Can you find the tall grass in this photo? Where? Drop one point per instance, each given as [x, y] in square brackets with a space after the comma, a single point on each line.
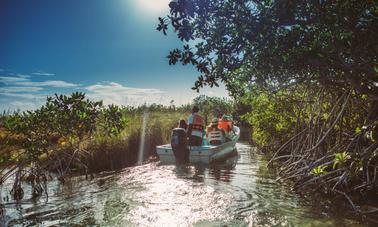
[110, 153]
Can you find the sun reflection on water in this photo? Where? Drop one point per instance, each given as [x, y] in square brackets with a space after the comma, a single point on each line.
[167, 199]
[243, 192]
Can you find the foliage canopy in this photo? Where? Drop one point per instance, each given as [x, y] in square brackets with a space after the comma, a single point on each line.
[210, 107]
[271, 42]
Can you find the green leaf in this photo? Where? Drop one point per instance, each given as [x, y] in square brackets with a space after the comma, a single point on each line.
[319, 170]
[341, 158]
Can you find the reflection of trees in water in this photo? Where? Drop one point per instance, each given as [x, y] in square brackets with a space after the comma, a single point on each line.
[276, 204]
[113, 208]
[265, 202]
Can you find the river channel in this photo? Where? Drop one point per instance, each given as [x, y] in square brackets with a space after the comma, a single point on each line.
[240, 192]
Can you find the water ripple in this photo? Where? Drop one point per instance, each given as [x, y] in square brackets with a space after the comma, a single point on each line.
[240, 192]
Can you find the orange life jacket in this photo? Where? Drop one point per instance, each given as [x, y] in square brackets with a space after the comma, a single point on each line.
[197, 124]
[226, 125]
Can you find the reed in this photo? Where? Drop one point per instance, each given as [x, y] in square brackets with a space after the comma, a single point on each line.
[112, 153]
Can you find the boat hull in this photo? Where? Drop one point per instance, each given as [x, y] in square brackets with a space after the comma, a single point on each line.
[202, 154]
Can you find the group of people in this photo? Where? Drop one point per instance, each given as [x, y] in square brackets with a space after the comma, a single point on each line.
[216, 132]
[192, 134]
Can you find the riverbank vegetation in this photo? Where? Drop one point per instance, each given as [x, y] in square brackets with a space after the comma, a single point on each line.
[71, 134]
[305, 74]
[74, 135]
[322, 139]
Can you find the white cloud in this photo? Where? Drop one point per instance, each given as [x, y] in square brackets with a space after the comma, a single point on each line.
[12, 79]
[47, 83]
[25, 76]
[118, 88]
[41, 73]
[21, 105]
[22, 95]
[115, 93]
[25, 80]
[19, 89]
[22, 75]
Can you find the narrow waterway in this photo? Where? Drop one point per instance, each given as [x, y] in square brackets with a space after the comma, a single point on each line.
[240, 192]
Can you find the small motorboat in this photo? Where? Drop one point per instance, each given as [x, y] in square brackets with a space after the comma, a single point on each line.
[205, 153]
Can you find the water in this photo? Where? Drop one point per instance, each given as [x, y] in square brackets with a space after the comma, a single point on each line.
[240, 192]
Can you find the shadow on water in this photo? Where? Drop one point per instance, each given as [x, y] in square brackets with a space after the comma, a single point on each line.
[239, 192]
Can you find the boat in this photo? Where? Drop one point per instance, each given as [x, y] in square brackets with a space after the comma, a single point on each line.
[205, 153]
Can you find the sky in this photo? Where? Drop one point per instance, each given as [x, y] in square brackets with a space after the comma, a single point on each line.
[108, 49]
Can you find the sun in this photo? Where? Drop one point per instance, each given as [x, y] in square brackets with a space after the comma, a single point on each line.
[153, 6]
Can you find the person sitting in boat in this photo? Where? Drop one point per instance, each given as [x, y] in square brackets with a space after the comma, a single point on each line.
[219, 116]
[226, 123]
[195, 128]
[179, 143]
[215, 135]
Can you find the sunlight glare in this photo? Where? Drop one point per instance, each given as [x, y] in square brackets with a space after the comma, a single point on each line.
[153, 6]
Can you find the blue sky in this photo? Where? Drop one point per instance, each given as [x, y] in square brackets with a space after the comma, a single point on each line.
[108, 49]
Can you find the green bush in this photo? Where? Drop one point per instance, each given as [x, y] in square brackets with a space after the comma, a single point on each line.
[272, 116]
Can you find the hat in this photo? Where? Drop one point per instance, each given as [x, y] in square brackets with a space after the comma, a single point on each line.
[214, 122]
[227, 117]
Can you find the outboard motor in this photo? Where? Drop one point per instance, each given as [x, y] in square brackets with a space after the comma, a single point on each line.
[179, 145]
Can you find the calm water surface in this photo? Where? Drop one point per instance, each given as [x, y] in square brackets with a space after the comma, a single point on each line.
[241, 192]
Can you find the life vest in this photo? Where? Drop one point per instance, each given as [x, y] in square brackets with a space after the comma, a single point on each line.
[197, 124]
[215, 137]
[226, 125]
